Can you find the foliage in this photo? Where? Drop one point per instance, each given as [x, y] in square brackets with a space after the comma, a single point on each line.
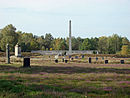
[48, 41]
[86, 45]
[8, 36]
[114, 44]
[28, 41]
[125, 41]
[63, 45]
[57, 43]
[125, 50]
[102, 45]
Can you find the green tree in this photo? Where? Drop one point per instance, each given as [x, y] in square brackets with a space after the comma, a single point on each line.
[94, 43]
[56, 44]
[86, 45]
[114, 44]
[0, 37]
[63, 45]
[76, 42]
[48, 41]
[34, 45]
[43, 48]
[125, 41]
[25, 41]
[40, 40]
[102, 44]
[79, 42]
[8, 35]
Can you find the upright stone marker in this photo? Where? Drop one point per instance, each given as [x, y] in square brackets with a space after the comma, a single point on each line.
[66, 61]
[96, 58]
[89, 60]
[70, 47]
[26, 62]
[69, 57]
[56, 59]
[122, 61]
[106, 61]
[17, 50]
[7, 54]
[63, 59]
[76, 57]
[82, 56]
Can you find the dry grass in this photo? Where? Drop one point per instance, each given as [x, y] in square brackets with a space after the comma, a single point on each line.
[46, 79]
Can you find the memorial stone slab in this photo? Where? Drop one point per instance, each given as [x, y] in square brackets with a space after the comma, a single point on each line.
[89, 60]
[63, 59]
[106, 61]
[26, 62]
[56, 61]
[76, 57]
[96, 58]
[122, 61]
[66, 61]
[69, 57]
[82, 56]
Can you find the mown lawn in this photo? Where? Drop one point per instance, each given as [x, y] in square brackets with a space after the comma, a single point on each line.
[72, 80]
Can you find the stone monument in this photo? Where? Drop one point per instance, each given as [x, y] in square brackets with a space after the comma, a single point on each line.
[70, 46]
[17, 50]
[7, 54]
[56, 59]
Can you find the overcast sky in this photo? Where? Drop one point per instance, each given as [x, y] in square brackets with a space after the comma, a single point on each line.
[90, 18]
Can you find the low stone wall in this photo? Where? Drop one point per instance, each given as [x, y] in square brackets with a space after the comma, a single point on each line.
[63, 51]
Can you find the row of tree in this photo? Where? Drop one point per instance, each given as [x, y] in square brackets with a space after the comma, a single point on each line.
[28, 42]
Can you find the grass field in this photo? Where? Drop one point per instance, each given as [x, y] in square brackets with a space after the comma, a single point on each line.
[45, 79]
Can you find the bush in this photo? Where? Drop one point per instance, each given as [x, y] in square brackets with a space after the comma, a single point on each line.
[125, 50]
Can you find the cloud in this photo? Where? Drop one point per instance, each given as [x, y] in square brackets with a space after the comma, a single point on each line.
[38, 4]
[45, 5]
[52, 5]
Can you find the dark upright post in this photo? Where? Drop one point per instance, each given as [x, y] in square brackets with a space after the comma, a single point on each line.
[66, 61]
[76, 57]
[96, 58]
[63, 59]
[82, 56]
[7, 54]
[26, 62]
[122, 61]
[56, 60]
[69, 57]
[106, 61]
[89, 60]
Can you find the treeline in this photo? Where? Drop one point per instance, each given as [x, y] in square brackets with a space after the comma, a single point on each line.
[105, 45]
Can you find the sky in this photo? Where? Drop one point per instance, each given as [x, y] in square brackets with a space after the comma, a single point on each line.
[90, 18]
